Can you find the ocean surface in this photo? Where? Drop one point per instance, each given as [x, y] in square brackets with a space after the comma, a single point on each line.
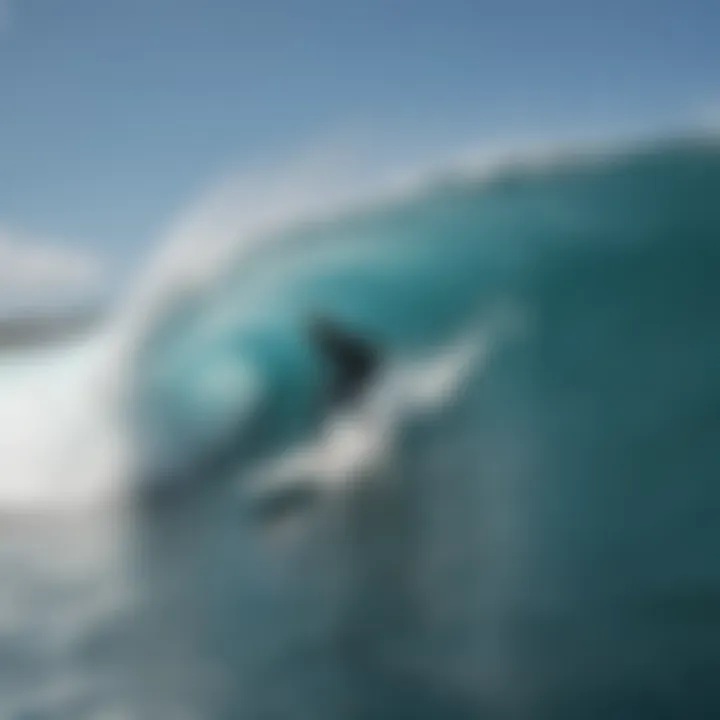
[518, 517]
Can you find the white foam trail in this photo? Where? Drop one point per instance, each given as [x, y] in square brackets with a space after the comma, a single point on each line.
[358, 443]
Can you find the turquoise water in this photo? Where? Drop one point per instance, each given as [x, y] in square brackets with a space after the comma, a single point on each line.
[541, 543]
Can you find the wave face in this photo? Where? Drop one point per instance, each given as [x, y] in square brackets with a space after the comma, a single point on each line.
[407, 274]
[543, 544]
[516, 518]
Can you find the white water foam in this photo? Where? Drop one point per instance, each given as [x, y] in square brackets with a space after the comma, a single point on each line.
[359, 443]
[57, 446]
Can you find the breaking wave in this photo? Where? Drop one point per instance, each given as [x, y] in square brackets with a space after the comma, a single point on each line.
[506, 521]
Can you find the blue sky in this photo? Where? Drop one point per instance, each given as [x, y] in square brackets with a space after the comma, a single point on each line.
[113, 113]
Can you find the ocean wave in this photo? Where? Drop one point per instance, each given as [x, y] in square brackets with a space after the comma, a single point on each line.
[406, 258]
[407, 271]
[513, 490]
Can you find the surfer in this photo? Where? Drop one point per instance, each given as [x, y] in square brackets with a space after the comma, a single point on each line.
[354, 360]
